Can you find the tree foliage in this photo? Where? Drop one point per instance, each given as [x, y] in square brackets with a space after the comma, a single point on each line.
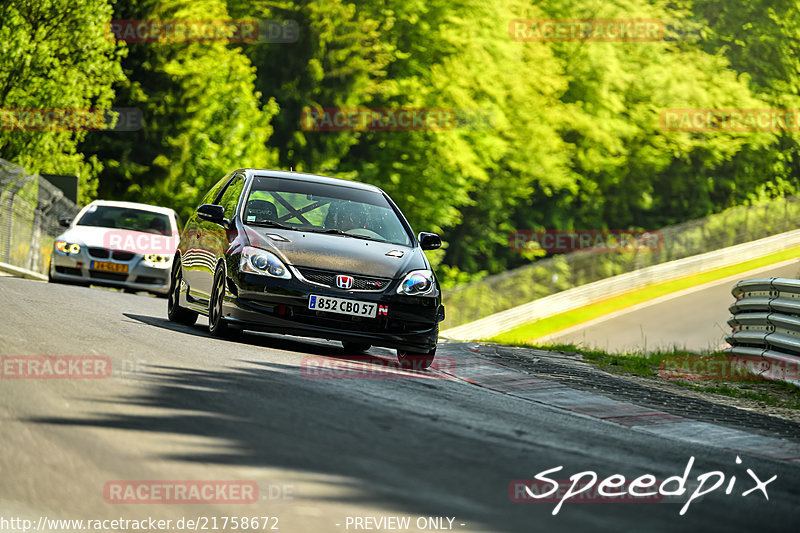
[550, 134]
[54, 55]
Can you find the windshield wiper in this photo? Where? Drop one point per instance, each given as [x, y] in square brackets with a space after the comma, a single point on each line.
[333, 231]
[272, 224]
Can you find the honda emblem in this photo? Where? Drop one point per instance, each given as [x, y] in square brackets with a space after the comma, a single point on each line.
[344, 282]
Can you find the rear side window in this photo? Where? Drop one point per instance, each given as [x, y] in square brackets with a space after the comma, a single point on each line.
[230, 198]
[214, 192]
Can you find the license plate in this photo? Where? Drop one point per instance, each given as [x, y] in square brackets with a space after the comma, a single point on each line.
[108, 266]
[342, 306]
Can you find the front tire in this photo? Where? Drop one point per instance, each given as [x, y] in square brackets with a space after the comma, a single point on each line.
[175, 312]
[217, 325]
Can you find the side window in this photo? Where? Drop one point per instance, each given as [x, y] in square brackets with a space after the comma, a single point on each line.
[215, 190]
[230, 198]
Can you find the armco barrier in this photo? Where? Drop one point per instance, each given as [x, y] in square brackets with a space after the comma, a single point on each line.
[570, 299]
[766, 323]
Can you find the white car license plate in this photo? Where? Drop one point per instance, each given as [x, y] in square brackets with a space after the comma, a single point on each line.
[342, 306]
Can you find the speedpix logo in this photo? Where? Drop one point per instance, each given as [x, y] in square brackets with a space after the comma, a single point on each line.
[645, 488]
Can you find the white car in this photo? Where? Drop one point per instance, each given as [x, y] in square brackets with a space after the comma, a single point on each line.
[117, 244]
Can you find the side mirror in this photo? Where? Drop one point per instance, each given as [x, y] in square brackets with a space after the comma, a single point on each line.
[429, 241]
[212, 213]
[64, 222]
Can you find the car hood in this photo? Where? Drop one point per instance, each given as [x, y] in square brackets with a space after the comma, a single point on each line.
[338, 253]
[141, 242]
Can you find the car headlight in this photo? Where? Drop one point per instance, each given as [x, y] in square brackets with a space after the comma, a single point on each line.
[256, 261]
[68, 248]
[416, 283]
[157, 260]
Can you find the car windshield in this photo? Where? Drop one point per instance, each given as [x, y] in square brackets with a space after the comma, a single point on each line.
[106, 216]
[319, 207]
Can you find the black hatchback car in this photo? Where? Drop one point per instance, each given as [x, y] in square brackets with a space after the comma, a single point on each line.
[312, 256]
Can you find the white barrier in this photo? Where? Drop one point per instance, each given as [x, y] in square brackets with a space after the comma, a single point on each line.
[568, 300]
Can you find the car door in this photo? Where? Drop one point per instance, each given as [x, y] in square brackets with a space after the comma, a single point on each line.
[195, 260]
[213, 241]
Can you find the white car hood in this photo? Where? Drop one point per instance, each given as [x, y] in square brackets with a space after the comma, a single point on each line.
[140, 242]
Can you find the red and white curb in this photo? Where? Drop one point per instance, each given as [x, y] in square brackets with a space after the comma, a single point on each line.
[480, 371]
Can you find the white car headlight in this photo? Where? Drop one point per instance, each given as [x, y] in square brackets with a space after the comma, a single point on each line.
[157, 260]
[68, 248]
[257, 261]
[416, 283]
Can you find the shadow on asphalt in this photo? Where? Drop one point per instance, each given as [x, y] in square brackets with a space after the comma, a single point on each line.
[281, 342]
[411, 445]
[400, 457]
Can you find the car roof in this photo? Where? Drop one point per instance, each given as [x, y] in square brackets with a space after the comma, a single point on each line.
[134, 205]
[316, 178]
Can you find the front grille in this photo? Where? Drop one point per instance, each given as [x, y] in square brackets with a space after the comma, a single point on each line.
[99, 253]
[110, 276]
[103, 253]
[122, 256]
[68, 270]
[328, 278]
[150, 280]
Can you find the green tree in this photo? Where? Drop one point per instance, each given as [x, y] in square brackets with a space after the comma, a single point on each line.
[338, 60]
[201, 114]
[55, 54]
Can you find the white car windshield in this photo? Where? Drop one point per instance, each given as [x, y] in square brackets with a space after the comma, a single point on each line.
[106, 216]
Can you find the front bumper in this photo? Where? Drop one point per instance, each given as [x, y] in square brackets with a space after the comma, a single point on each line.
[77, 268]
[281, 306]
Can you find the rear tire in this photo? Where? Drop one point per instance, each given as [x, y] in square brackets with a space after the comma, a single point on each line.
[355, 347]
[415, 361]
[175, 312]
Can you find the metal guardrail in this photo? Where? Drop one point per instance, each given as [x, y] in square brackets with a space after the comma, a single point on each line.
[30, 207]
[766, 324]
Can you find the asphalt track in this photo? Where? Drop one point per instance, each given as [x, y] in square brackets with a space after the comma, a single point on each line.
[694, 319]
[181, 405]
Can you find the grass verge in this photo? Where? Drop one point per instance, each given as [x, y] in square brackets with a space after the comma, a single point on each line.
[653, 366]
[536, 330]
